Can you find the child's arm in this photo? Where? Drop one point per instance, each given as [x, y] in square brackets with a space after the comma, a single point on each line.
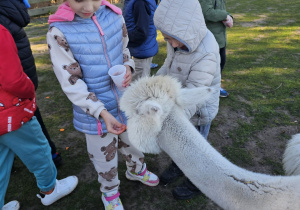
[127, 61]
[210, 13]
[12, 77]
[203, 71]
[126, 54]
[201, 74]
[69, 75]
[164, 69]
[112, 124]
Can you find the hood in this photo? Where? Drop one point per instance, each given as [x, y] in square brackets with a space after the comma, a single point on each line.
[65, 13]
[15, 11]
[182, 20]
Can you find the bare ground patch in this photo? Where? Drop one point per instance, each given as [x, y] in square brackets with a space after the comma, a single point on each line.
[256, 22]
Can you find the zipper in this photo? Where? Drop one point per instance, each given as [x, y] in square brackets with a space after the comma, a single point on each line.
[94, 18]
[101, 35]
[99, 128]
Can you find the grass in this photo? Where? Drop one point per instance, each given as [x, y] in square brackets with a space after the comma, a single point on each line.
[262, 75]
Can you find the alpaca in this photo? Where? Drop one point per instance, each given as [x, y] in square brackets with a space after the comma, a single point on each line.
[291, 157]
[157, 121]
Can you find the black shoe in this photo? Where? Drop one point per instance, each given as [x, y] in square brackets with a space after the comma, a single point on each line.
[186, 190]
[57, 160]
[170, 174]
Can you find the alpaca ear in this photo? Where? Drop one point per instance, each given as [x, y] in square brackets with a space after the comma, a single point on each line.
[192, 96]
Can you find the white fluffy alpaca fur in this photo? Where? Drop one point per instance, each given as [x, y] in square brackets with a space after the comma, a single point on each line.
[157, 121]
[150, 103]
[291, 156]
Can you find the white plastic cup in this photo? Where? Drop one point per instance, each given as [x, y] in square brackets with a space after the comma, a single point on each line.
[117, 74]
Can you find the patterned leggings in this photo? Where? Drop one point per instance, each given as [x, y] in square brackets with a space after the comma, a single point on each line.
[102, 151]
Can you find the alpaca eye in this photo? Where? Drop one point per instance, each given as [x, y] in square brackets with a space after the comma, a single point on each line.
[154, 109]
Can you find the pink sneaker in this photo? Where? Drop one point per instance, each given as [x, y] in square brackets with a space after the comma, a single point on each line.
[112, 201]
[145, 176]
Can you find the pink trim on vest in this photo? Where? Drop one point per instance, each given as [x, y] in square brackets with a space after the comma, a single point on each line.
[112, 7]
[65, 13]
[98, 25]
[99, 128]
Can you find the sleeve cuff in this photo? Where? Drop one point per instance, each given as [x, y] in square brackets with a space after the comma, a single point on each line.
[98, 111]
[131, 64]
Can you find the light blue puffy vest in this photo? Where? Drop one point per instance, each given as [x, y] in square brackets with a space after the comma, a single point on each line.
[150, 47]
[89, 50]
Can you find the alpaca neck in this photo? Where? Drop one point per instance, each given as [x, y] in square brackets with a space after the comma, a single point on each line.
[230, 186]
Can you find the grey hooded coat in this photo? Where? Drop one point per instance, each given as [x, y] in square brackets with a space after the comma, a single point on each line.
[197, 66]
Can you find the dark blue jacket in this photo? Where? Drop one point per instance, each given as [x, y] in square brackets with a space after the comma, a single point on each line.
[138, 15]
[14, 16]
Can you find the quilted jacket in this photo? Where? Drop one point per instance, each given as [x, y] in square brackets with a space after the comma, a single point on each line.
[14, 17]
[197, 66]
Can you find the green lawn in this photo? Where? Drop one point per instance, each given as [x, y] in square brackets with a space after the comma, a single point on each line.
[262, 75]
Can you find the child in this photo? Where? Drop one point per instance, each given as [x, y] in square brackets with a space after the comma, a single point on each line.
[14, 17]
[193, 58]
[20, 132]
[85, 39]
[217, 19]
[138, 15]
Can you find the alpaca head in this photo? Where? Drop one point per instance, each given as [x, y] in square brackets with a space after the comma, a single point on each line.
[147, 103]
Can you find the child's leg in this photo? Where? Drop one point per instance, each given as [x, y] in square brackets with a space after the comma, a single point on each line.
[32, 147]
[204, 129]
[38, 116]
[134, 158]
[102, 152]
[142, 68]
[6, 162]
[223, 57]
[136, 168]
[56, 157]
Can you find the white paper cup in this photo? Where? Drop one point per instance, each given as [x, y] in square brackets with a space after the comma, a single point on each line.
[117, 74]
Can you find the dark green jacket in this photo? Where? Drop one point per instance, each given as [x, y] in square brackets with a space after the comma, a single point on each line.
[214, 12]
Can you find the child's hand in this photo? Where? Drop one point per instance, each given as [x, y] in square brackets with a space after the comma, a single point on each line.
[127, 77]
[228, 22]
[112, 124]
